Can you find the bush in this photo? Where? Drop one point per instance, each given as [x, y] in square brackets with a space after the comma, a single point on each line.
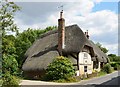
[113, 64]
[117, 67]
[60, 68]
[9, 80]
[107, 68]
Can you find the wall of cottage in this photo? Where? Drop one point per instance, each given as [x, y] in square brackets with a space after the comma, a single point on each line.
[85, 63]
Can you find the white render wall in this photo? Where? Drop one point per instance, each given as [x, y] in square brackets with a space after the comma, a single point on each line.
[85, 62]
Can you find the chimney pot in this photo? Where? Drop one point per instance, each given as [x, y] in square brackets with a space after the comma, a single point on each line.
[86, 34]
[61, 14]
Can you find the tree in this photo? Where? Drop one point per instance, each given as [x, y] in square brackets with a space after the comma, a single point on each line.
[105, 50]
[8, 46]
[114, 58]
[7, 11]
[111, 55]
[9, 63]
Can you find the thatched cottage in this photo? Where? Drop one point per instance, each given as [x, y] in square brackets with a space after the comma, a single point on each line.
[69, 41]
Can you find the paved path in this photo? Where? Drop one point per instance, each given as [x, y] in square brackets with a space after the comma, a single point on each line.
[109, 79]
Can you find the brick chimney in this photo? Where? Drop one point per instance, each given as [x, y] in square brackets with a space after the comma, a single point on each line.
[86, 34]
[61, 33]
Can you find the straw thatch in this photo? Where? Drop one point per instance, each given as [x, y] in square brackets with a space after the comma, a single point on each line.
[41, 53]
[43, 50]
[102, 57]
[74, 39]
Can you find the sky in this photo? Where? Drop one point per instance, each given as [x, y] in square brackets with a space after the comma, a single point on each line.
[99, 17]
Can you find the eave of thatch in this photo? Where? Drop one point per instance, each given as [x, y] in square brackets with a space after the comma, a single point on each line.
[40, 62]
[101, 57]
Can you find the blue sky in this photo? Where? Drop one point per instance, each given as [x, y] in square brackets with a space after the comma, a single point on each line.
[113, 6]
[99, 18]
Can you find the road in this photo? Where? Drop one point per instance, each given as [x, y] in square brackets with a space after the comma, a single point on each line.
[109, 79]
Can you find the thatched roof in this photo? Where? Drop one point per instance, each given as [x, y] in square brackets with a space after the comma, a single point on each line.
[43, 50]
[102, 57]
[39, 62]
[74, 39]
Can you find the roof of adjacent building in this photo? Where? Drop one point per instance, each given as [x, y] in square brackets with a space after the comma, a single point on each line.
[44, 50]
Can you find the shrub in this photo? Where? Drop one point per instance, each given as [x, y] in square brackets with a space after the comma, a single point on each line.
[107, 68]
[117, 67]
[60, 68]
[9, 80]
[113, 64]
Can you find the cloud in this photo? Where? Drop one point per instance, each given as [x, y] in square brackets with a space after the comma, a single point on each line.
[76, 8]
[102, 25]
[114, 47]
[35, 12]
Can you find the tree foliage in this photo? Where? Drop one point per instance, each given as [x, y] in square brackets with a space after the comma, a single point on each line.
[105, 50]
[114, 58]
[9, 63]
[60, 68]
[14, 47]
[7, 11]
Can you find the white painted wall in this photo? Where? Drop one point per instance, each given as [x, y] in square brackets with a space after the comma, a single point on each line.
[85, 61]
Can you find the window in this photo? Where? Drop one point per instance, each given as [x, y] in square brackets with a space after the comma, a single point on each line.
[85, 56]
[85, 68]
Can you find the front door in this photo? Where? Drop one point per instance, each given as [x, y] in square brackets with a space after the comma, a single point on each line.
[85, 69]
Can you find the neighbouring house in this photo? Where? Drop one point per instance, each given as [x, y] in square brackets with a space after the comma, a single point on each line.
[69, 41]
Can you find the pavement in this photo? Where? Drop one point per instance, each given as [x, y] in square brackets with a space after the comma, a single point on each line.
[109, 79]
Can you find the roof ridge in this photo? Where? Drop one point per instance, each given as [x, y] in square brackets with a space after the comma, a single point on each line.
[48, 33]
[54, 31]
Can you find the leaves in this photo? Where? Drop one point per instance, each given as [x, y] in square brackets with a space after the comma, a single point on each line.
[60, 68]
[105, 50]
[107, 68]
[7, 11]
[10, 64]
[114, 58]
